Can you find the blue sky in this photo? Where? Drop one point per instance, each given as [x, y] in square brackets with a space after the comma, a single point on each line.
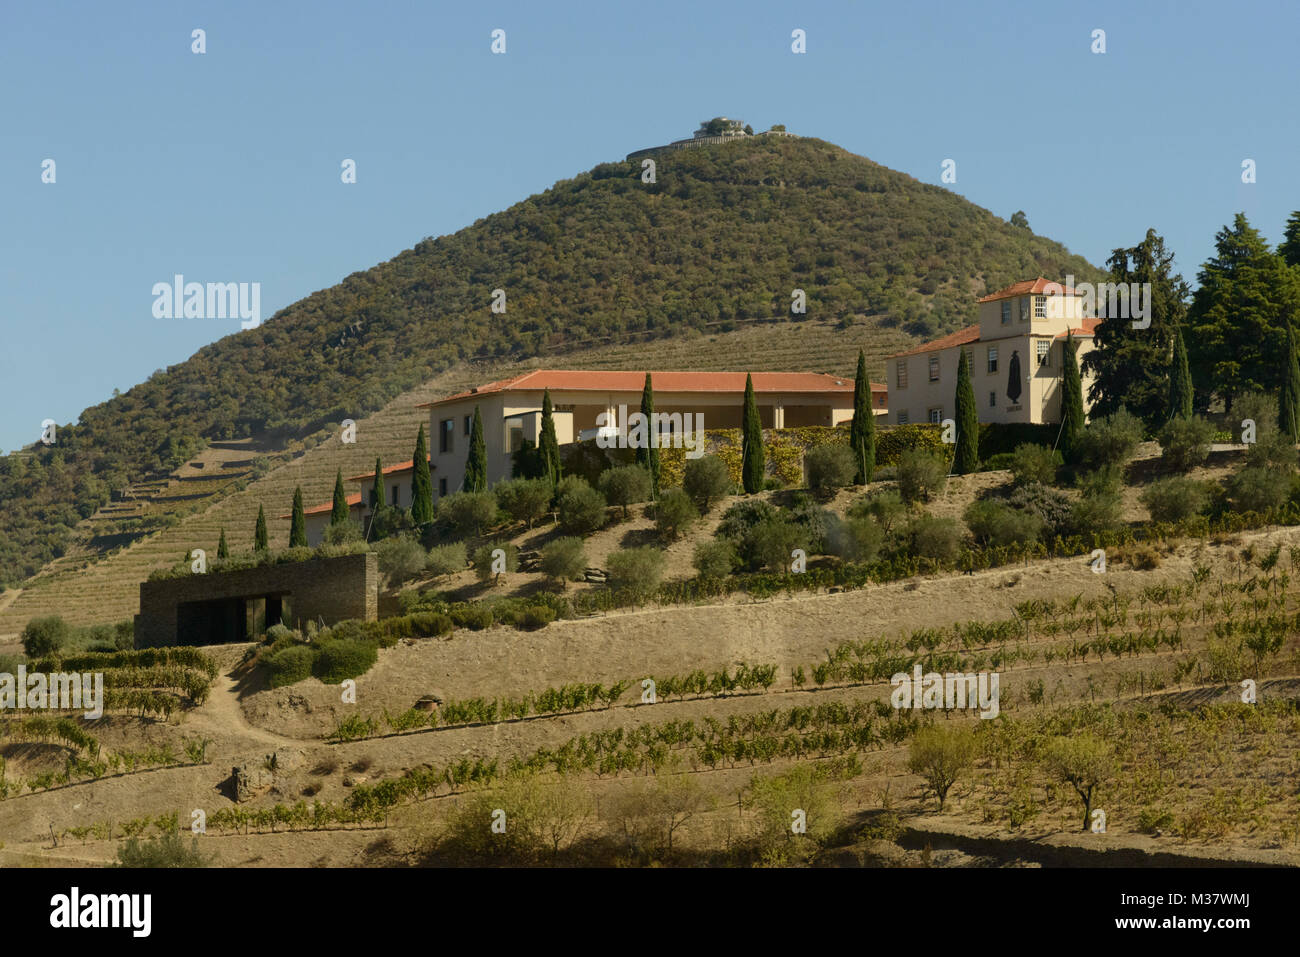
[225, 166]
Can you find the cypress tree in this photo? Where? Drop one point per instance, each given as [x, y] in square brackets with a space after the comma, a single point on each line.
[1289, 405]
[222, 550]
[862, 432]
[751, 458]
[297, 522]
[550, 445]
[339, 513]
[476, 463]
[377, 500]
[648, 457]
[421, 483]
[260, 541]
[967, 453]
[1072, 419]
[1180, 380]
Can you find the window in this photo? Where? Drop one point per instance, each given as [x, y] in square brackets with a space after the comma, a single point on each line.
[1024, 309]
[396, 489]
[993, 400]
[516, 440]
[1040, 307]
[469, 424]
[936, 415]
[1044, 353]
[993, 358]
[934, 368]
[442, 487]
[902, 417]
[970, 360]
[446, 435]
[1006, 311]
[900, 373]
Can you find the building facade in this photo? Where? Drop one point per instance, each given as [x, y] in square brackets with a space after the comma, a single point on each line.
[1015, 352]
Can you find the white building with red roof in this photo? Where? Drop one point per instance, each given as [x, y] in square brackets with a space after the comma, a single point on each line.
[1016, 353]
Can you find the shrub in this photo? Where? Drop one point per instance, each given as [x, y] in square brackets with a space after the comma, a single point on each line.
[769, 544]
[921, 475]
[1174, 499]
[524, 500]
[636, 570]
[289, 665]
[996, 523]
[1031, 464]
[935, 538]
[1185, 443]
[674, 514]
[1109, 441]
[484, 559]
[389, 521]
[829, 467]
[45, 636]
[401, 558]
[166, 850]
[1258, 488]
[813, 522]
[535, 616]
[1258, 407]
[886, 507]
[1096, 513]
[581, 508]
[714, 559]
[342, 533]
[744, 515]
[467, 513]
[706, 480]
[625, 485]
[341, 658]
[1052, 506]
[940, 755]
[1274, 450]
[564, 559]
[858, 539]
[446, 559]
[476, 616]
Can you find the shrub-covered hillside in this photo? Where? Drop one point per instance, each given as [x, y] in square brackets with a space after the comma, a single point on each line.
[724, 234]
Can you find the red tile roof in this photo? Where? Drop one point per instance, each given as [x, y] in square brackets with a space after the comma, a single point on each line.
[1088, 328]
[961, 337]
[389, 470]
[664, 382]
[1028, 287]
[353, 501]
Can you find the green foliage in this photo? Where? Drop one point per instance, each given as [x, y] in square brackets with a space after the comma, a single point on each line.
[1175, 499]
[377, 499]
[862, 430]
[674, 514]
[996, 523]
[289, 665]
[1083, 761]
[647, 456]
[581, 509]
[937, 539]
[524, 500]
[421, 483]
[446, 559]
[340, 658]
[1109, 441]
[45, 636]
[260, 540]
[401, 558]
[467, 514]
[940, 755]
[858, 539]
[752, 459]
[1289, 398]
[1034, 463]
[893, 441]
[339, 509]
[1180, 380]
[886, 507]
[549, 446]
[485, 558]
[476, 468]
[1051, 506]
[966, 457]
[564, 559]
[297, 522]
[635, 570]
[829, 467]
[627, 484]
[223, 550]
[715, 559]
[921, 475]
[165, 850]
[1185, 442]
[706, 480]
[1259, 488]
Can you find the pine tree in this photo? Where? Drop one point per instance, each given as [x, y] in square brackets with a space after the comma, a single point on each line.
[550, 445]
[862, 431]
[476, 477]
[1180, 380]
[1072, 418]
[1289, 405]
[222, 550]
[339, 513]
[377, 500]
[648, 457]
[1289, 248]
[752, 462]
[260, 540]
[297, 522]
[967, 453]
[421, 483]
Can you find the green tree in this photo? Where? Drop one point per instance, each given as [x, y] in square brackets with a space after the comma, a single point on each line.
[1289, 405]
[752, 463]
[940, 755]
[476, 474]
[967, 454]
[1072, 419]
[297, 522]
[550, 445]
[1130, 367]
[339, 512]
[223, 551]
[421, 483]
[1019, 219]
[1084, 762]
[862, 431]
[260, 541]
[1238, 316]
[648, 457]
[377, 500]
[1289, 248]
[1180, 380]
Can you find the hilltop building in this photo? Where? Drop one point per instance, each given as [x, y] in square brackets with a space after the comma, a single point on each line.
[718, 130]
[1015, 351]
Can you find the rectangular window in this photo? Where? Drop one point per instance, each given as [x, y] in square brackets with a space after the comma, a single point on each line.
[1024, 309]
[934, 368]
[936, 415]
[900, 373]
[993, 359]
[1040, 307]
[516, 440]
[1044, 353]
[442, 486]
[902, 417]
[446, 435]
[993, 400]
[970, 360]
[1006, 311]
[469, 424]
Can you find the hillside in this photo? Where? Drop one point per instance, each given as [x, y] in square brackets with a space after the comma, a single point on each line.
[723, 236]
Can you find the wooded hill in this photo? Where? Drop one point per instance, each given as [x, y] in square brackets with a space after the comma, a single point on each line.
[723, 236]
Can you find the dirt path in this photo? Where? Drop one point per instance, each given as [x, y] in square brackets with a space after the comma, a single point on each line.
[221, 715]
